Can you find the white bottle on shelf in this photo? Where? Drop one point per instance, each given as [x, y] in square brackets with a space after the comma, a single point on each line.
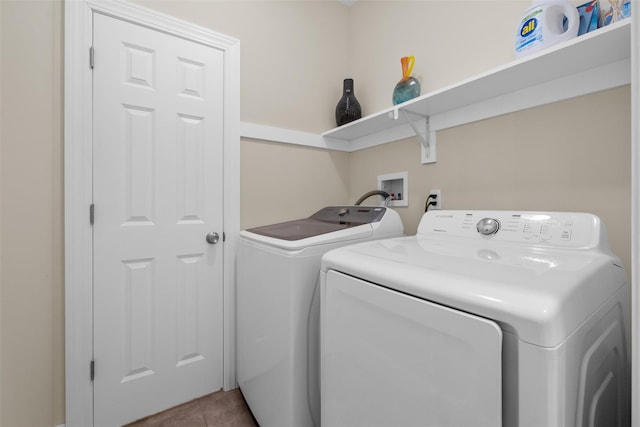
[543, 25]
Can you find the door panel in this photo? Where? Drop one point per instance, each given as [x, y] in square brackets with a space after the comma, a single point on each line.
[157, 192]
[390, 359]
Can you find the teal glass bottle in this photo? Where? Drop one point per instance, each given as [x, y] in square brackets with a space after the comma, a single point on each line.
[409, 87]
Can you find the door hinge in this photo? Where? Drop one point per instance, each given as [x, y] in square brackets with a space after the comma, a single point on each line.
[92, 370]
[91, 57]
[91, 213]
[224, 237]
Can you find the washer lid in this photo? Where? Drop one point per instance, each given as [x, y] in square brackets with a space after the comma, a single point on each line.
[300, 229]
[326, 220]
[539, 292]
[329, 225]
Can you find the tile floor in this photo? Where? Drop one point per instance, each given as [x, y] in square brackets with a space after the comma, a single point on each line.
[219, 409]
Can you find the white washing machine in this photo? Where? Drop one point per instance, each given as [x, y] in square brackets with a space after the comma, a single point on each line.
[484, 318]
[278, 339]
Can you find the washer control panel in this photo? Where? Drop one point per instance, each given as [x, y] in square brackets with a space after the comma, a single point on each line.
[559, 229]
[351, 214]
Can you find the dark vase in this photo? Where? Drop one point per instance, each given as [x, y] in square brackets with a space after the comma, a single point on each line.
[348, 108]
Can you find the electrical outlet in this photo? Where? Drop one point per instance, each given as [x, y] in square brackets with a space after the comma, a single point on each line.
[438, 199]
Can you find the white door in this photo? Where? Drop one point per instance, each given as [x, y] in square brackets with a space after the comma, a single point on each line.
[158, 318]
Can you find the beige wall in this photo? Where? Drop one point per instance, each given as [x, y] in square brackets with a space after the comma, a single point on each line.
[293, 58]
[451, 41]
[294, 55]
[293, 182]
[571, 155]
[1, 127]
[554, 158]
[31, 283]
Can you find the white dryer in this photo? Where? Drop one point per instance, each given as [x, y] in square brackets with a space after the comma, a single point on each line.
[278, 340]
[484, 318]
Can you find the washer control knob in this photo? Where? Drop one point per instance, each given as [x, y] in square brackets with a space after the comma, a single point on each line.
[343, 211]
[488, 226]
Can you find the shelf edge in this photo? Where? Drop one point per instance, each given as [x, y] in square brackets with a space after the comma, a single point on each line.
[289, 136]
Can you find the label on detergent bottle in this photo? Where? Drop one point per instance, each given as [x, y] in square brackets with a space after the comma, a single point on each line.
[529, 33]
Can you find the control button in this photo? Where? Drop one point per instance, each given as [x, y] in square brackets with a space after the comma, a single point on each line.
[343, 211]
[487, 254]
[488, 226]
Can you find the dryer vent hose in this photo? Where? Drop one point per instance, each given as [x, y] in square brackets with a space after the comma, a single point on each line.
[373, 193]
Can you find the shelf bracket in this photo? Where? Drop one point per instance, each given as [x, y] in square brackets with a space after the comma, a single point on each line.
[424, 136]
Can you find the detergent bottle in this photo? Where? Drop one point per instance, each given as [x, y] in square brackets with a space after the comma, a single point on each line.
[544, 24]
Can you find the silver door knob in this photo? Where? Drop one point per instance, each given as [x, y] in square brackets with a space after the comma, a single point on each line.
[212, 238]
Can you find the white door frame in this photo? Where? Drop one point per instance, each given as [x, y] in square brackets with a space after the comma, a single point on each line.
[78, 101]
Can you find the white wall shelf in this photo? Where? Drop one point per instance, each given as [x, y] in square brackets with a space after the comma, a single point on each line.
[587, 64]
[590, 63]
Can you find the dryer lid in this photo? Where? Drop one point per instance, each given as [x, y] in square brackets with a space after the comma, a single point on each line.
[537, 290]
